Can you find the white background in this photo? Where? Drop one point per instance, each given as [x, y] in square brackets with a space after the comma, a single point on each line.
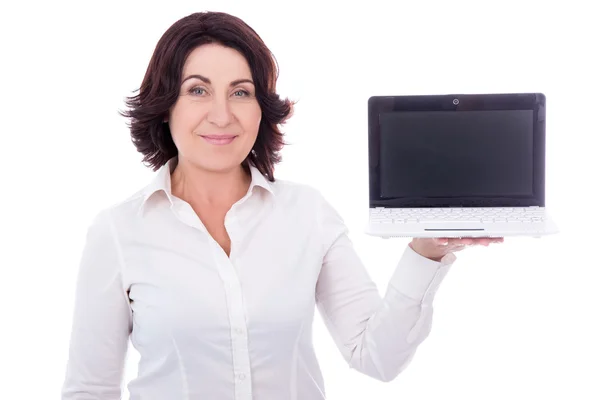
[517, 320]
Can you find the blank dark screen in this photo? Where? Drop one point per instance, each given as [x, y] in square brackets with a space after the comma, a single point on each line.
[456, 153]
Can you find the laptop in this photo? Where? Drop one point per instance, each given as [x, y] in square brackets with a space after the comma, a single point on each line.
[466, 165]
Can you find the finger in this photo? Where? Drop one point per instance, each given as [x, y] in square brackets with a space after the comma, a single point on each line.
[487, 241]
[453, 242]
[465, 241]
[456, 243]
[441, 241]
[456, 247]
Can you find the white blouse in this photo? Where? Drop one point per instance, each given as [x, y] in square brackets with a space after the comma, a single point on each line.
[208, 326]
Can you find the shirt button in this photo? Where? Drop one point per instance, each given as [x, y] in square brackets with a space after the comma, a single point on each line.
[239, 331]
[241, 377]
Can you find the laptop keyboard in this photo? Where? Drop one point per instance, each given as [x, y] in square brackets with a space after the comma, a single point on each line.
[469, 214]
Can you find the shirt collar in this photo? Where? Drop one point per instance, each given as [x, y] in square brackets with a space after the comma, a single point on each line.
[162, 182]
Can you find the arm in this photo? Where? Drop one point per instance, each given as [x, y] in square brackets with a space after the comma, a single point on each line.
[377, 336]
[101, 320]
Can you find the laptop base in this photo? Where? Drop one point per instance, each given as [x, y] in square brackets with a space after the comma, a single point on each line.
[461, 230]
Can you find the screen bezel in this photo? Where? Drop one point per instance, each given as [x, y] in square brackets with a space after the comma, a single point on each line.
[466, 102]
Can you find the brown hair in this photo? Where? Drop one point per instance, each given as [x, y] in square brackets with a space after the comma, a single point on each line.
[161, 84]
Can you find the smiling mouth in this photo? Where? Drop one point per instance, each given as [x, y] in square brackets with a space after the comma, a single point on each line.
[219, 139]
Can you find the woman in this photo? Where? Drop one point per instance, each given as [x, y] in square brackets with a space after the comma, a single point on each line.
[215, 267]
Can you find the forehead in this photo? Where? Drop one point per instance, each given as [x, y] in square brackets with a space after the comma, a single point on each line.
[216, 61]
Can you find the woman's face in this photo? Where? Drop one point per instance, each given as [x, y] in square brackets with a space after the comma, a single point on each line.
[215, 121]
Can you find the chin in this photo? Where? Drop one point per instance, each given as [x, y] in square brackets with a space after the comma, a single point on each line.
[220, 165]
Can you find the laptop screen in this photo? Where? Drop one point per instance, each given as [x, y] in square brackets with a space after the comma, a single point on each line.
[456, 154]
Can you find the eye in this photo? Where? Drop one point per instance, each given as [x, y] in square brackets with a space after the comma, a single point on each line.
[197, 90]
[243, 93]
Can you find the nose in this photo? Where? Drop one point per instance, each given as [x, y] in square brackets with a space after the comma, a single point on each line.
[219, 113]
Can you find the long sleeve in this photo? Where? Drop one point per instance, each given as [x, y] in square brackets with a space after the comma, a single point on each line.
[377, 336]
[101, 320]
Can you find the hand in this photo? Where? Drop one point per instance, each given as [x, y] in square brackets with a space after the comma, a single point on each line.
[436, 248]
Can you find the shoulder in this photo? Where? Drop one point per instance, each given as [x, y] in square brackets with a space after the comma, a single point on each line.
[121, 210]
[288, 188]
[306, 197]
[298, 194]
[127, 206]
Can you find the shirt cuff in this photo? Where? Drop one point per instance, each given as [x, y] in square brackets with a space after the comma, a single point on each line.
[419, 277]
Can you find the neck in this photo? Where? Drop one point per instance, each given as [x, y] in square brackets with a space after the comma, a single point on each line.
[220, 189]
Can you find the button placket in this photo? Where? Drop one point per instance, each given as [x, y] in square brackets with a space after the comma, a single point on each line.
[237, 317]
[239, 342]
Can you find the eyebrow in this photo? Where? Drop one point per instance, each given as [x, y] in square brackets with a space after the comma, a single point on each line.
[207, 81]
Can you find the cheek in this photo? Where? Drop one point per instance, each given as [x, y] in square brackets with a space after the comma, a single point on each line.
[184, 119]
[251, 120]
[185, 114]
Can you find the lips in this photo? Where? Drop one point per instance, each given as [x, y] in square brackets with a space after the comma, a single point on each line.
[219, 139]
